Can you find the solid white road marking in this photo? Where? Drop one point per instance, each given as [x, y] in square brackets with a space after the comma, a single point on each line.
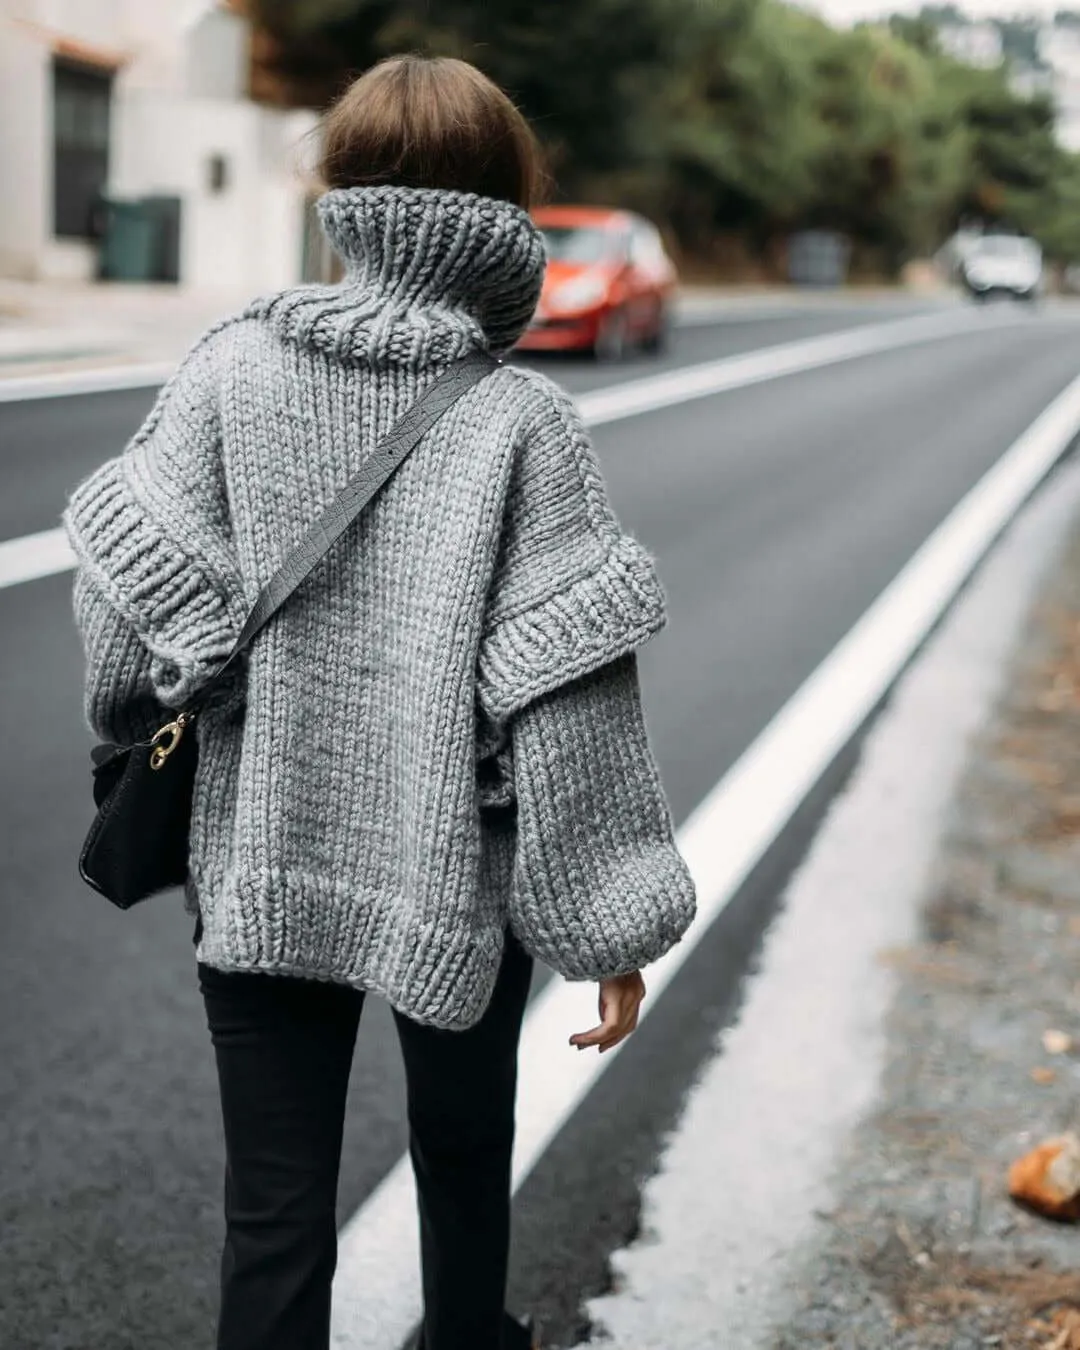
[638, 396]
[769, 363]
[34, 555]
[377, 1289]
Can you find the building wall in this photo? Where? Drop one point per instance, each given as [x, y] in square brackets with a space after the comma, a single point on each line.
[25, 127]
[178, 101]
[248, 233]
[218, 56]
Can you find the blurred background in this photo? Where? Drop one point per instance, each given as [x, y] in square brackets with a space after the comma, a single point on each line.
[781, 221]
[153, 141]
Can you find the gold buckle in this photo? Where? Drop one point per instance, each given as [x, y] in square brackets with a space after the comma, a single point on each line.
[172, 731]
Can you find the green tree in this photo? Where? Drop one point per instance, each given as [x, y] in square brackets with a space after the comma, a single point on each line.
[736, 118]
[583, 72]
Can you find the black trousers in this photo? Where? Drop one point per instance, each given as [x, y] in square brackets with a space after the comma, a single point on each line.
[284, 1048]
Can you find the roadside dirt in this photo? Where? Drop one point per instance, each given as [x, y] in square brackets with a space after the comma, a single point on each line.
[924, 1248]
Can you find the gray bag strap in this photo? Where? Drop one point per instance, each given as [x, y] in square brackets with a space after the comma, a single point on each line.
[378, 468]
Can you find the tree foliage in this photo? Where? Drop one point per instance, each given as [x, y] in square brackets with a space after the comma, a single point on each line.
[747, 118]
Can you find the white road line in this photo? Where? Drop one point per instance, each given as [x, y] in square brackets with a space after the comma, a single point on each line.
[769, 363]
[719, 313]
[101, 380]
[377, 1291]
[34, 555]
[18, 557]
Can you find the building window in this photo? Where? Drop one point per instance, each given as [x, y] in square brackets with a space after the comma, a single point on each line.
[81, 96]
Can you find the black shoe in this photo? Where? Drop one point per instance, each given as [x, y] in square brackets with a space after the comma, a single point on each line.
[520, 1335]
[515, 1335]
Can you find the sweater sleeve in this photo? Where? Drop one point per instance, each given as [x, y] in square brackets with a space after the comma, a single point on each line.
[118, 701]
[151, 530]
[571, 590]
[599, 887]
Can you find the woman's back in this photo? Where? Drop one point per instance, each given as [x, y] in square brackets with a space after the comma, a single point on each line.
[339, 826]
[432, 765]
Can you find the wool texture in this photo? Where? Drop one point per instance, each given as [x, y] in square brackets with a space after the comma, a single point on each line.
[440, 735]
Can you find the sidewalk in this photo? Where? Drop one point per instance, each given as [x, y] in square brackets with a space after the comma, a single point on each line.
[72, 326]
[839, 1175]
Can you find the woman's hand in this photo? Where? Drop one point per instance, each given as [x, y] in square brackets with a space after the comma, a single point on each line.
[620, 1003]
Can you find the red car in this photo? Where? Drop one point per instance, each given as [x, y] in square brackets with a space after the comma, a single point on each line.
[609, 283]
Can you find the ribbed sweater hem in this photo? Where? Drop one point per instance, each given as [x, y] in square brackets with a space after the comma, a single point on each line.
[296, 924]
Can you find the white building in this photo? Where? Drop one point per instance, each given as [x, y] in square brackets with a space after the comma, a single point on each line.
[975, 44]
[137, 99]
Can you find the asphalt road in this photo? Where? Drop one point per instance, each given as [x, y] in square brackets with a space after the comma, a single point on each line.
[777, 514]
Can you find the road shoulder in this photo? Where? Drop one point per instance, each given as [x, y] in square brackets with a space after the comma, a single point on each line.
[837, 1178]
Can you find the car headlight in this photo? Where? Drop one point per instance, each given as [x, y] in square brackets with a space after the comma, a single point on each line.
[582, 292]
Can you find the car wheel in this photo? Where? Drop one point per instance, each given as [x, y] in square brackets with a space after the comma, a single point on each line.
[659, 340]
[612, 337]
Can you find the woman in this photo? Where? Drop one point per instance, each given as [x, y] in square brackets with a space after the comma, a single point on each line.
[433, 767]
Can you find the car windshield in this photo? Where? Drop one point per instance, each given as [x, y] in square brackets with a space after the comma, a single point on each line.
[1007, 246]
[577, 243]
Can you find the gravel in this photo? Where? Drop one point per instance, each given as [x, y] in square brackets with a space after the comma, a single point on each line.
[922, 1247]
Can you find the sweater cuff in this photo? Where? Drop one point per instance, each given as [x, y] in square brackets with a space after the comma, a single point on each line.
[599, 617]
[599, 887]
[187, 616]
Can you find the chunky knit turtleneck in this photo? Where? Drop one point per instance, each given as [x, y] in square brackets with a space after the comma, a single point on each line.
[440, 735]
[428, 275]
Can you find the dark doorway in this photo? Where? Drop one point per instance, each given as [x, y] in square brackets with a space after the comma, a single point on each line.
[81, 99]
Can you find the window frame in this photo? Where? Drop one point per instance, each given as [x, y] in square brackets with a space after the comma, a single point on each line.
[81, 131]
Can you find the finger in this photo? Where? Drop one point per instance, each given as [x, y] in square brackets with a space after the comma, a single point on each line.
[595, 1036]
[620, 1006]
[592, 1037]
[604, 1031]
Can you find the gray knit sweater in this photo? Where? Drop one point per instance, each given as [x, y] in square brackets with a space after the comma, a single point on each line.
[441, 734]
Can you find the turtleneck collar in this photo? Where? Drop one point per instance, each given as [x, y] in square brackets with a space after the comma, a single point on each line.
[429, 276]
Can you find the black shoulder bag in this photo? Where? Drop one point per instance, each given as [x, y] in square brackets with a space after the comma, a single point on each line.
[138, 842]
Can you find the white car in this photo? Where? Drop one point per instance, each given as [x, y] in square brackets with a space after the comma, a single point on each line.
[1003, 264]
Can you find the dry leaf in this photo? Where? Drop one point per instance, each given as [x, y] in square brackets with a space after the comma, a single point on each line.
[1066, 1324]
[1056, 1042]
[1043, 1076]
[1048, 1178]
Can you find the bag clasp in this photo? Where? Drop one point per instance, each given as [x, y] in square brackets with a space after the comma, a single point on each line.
[169, 738]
